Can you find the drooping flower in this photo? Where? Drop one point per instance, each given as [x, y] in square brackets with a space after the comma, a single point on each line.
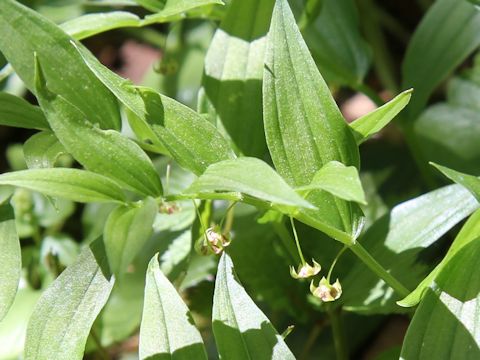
[325, 291]
[216, 240]
[305, 271]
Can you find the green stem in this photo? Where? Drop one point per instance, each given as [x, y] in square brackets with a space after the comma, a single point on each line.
[335, 262]
[378, 269]
[285, 237]
[338, 334]
[299, 249]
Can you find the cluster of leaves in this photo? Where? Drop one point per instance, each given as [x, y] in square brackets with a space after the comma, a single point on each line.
[167, 188]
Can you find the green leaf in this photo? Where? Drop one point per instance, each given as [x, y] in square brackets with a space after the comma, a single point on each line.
[61, 321]
[127, 230]
[17, 112]
[453, 143]
[91, 24]
[448, 33]
[25, 32]
[72, 184]
[469, 182]
[42, 150]
[234, 72]
[175, 10]
[167, 329]
[368, 125]
[397, 240]
[14, 325]
[190, 139]
[305, 131]
[241, 329]
[249, 176]
[103, 151]
[339, 180]
[10, 258]
[470, 232]
[334, 38]
[446, 324]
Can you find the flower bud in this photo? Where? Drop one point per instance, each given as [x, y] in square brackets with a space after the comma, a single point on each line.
[305, 271]
[325, 291]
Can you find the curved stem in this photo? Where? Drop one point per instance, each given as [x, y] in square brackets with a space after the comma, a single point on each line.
[378, 269]
[299, 249]
[335, 262]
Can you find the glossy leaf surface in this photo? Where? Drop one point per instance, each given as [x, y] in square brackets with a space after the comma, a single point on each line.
[249, 176]
[305, 131]
[73, 184]
[25, 32]
[469, 182]
[62, 318]
[103, 151]
[189, 138]
[397, 239]
[241, 330]
[446, 324]
[10, 258]
[167, 329]
[126, 232]
[339, 180]
[470, 232]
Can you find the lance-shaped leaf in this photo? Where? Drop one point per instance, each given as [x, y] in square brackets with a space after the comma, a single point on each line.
[42, 150]
[17, 112]
[249, 176]
[72, 184]
[25, 32]
[470, 232]
[469, 182]
[368, 125]
[446, 36]
[339, 180]
[185, 135]
[396, 241]
[103, 151]
[305, 131]
[10, 258]
[61, 321]
[167, 329]
[91, 24]
[446, 325]
[241, 329]
[127, 230]
[234, 72]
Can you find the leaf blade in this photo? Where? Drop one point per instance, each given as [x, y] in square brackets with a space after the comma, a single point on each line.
[127, 229]
[62, 318]
[16, 112]
[167, 328]
[241, 330]
[10, 258]
[73, 184]
[25, 32]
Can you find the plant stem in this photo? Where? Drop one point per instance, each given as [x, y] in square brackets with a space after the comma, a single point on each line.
[335, 261]
[378, 269]
[299, 249]
[338, 334]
